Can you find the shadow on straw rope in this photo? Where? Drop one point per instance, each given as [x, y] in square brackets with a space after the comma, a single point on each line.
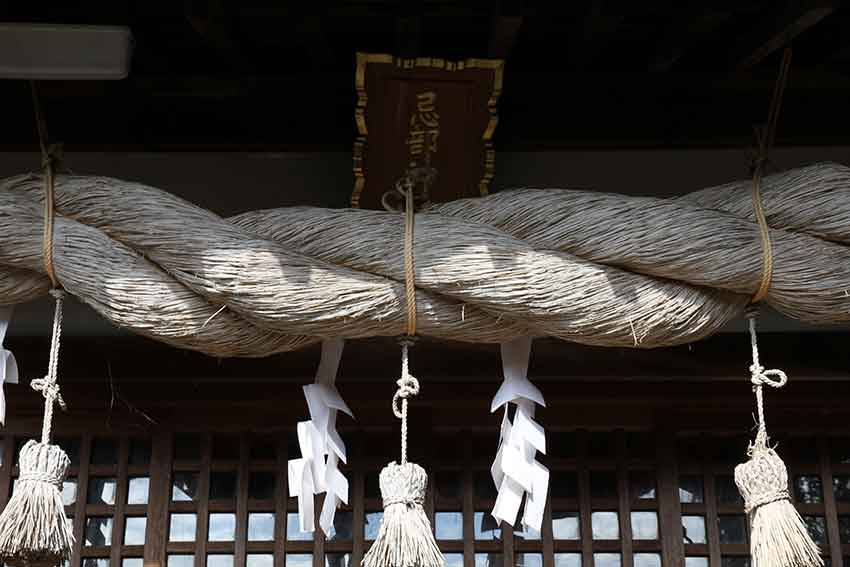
[554, 293]
[124, 287]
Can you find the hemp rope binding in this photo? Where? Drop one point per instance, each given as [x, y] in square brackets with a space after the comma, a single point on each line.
[778, 535]
[34, 530]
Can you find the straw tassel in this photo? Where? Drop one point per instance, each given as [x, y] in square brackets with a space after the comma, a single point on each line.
[405, 538]
[33, 528]
[778, 535]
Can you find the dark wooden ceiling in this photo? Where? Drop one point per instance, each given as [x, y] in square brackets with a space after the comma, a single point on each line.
[234, 75]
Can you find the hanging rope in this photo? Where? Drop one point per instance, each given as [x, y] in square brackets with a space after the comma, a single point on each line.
[760, 377]
[778, 535]
[764, 141]
[50, 157]
[406, 538]
[48, 385]
[408, 386]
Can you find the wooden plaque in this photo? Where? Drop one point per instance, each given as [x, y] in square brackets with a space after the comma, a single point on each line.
[424, 113]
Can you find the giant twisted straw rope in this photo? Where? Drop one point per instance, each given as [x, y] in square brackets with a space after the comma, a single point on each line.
[588, 267]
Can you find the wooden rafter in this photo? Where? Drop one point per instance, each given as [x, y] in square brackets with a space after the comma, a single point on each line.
[599, 23]
[504, 28]
[798, 17]
[312, 34]
[681, 35]
[409, 28]
[211, 21]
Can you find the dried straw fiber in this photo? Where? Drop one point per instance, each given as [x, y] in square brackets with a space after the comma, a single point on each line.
[588, 267]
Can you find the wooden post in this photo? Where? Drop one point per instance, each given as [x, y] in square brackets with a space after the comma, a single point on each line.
[670, 510]
[156, 534]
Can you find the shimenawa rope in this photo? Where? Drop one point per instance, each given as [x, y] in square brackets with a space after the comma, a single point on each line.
[581, 266]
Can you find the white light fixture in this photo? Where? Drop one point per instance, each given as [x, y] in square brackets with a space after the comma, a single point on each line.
[48, 51]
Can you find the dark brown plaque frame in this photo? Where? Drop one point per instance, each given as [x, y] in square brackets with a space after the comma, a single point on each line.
[465, 94]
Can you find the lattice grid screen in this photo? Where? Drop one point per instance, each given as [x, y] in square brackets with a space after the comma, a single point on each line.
[617, 499]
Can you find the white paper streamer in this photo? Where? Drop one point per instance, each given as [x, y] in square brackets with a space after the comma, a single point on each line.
[515, 470]
[321, 447]
[8, 365]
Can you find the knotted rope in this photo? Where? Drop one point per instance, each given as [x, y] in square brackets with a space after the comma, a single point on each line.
[760, 377]
[408, 386]
[50, 156]
[48, 385]
[778, 535]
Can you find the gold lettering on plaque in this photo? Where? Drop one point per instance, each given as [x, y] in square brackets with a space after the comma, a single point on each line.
[424, 131]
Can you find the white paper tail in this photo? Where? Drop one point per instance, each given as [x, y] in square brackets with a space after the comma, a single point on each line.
[322, 449]
[8, 366]
[515, 471]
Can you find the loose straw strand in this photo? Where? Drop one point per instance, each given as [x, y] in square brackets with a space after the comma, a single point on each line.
[765, 141]
[48, 162]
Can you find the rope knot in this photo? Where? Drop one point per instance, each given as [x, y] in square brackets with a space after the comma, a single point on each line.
[774, 378]
[54, 478]
[406, 500]
[48, 389]
[408, 387]
[57, 293]
[52, 156]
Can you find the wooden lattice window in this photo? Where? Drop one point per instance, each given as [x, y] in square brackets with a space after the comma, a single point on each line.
[617, 499]
[106, 495]
[714, 525]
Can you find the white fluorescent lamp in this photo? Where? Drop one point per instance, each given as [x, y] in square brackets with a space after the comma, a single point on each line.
[48, 51]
